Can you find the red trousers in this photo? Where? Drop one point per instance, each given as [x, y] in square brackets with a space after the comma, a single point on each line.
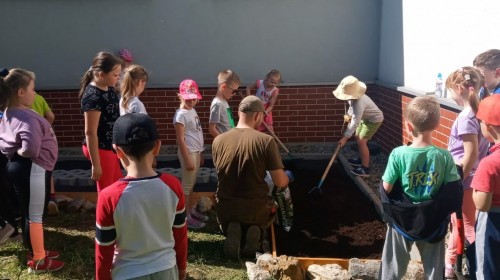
[110, 165]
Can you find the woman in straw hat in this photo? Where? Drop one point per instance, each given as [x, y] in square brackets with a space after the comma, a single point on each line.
[364, 118]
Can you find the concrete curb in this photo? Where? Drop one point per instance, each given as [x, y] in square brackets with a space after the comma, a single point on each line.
[414, 253]
[311, 150]
[361, 184]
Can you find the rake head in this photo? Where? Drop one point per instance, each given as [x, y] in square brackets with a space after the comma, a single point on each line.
[318, 189]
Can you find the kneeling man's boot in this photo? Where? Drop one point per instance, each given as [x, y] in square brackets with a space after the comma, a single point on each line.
[252, 241]
[233, 240]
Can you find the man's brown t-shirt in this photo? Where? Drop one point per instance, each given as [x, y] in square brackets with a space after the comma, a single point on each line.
[241, 157]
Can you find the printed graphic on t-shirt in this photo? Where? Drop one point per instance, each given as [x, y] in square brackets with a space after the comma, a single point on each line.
[230, 117]
[198, 123]
[106, 102]
[422, 180]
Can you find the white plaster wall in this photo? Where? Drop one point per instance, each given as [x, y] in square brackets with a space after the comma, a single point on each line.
[437, 36]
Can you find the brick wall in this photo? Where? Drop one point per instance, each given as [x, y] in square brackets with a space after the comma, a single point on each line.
[392, 133]
[301, 115]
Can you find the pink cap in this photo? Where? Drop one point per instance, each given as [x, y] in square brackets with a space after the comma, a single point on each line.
[188, 89]
[126, 55]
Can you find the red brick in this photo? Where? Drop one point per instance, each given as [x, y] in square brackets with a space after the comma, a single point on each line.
[287, 91]
[307, 90]
[304, 114]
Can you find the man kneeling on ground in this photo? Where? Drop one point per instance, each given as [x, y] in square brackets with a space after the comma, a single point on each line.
[241, 157]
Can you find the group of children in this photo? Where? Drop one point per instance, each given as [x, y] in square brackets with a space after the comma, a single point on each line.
[31, 147]
[421, 176]
[423, 184]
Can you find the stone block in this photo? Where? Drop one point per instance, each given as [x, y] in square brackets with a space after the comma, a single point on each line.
[364, 269]
[203, 177]
[255, 273]
[327, 272]
[213, 177]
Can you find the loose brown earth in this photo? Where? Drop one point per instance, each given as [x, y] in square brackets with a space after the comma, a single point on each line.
[340, 223]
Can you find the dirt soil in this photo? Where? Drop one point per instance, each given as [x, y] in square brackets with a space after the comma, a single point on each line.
[340, 223]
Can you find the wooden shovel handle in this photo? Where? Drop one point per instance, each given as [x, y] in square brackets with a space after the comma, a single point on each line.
[272, 132]
[276, 137]
[273, 237]
[330, 163]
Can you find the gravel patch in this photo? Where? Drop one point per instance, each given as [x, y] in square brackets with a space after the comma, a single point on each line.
[378, 162]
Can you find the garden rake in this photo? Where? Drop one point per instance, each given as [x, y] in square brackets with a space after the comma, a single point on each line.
[318, 188]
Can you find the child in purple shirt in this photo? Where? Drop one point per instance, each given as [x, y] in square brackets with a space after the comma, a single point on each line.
[467, 147]
[29, 142]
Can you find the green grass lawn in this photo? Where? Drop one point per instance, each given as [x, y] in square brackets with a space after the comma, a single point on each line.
[73, 236]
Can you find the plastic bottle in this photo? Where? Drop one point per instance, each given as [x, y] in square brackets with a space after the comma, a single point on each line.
[439, 85]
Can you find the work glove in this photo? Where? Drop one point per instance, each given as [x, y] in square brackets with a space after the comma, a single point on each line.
[290, 175]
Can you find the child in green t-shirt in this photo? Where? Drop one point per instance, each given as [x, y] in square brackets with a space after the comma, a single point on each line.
[423, 179]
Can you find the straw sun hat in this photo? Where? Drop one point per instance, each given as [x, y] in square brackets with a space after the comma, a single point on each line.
[350, 88]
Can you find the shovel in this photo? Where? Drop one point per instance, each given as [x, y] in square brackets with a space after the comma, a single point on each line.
[318, 188]
[278, 140]
[274, 135]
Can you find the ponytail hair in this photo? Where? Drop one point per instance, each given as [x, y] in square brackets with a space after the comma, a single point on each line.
[471, 80]
[11, 81]
[133, 74]
[103, 62]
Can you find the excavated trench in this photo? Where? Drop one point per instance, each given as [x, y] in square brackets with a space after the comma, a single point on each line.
[339, 223]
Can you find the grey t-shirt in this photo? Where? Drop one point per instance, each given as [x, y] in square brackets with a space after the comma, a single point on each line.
[221, 114]
[362, 109]
[134, 106]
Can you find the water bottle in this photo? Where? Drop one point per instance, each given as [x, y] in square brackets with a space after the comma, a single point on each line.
[439, 85]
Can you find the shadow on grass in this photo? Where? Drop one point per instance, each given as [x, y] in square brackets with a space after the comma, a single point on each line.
[73, 236]
[206, 259]
[69, 234]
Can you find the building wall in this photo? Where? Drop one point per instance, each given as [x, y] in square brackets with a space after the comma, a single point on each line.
[391, 57]
[418, 39]
[392, 133]
[311, 42]
[301, 115]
